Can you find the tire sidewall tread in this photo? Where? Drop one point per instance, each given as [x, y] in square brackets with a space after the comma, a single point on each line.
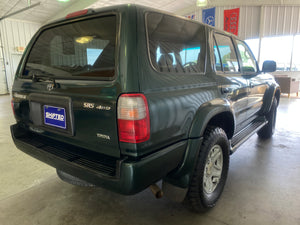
[197, 198]
[268, 130]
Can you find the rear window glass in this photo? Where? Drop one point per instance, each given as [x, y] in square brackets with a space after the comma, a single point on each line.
[84, 49]
[176, 45]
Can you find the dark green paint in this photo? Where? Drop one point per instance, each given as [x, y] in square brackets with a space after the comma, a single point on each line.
[180, 105]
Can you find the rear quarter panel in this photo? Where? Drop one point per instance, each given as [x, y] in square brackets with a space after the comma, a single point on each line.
[173, 107]
[173, 99]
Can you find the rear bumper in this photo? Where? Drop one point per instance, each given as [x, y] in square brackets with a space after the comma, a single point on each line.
[123, 176]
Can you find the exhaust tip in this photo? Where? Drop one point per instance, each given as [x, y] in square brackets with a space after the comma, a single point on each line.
[157, 192]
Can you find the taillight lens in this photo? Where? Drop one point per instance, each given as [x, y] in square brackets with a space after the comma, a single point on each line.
[133, 118]
[12, 105]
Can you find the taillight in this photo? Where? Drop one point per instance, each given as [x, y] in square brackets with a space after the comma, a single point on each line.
[12, 105]
[133, 118]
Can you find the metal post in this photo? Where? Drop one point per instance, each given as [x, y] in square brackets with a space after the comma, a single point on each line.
[261, 29]
[3, 57]
[291, 62]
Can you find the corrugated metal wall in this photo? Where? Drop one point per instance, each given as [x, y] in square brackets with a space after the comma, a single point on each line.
[255, 21]
[281, 20]
[15, 34]
[249, 22]
[274, 20]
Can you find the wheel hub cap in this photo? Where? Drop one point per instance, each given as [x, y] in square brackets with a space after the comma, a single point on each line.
[213, 169]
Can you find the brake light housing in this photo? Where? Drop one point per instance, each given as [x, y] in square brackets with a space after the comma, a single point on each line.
[77, 13]
[12, 105]
[133, 118]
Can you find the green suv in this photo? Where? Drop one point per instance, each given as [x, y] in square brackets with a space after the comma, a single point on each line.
[126, 96]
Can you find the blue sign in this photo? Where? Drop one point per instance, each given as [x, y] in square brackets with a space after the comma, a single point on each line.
[55, 116]
[208, 16]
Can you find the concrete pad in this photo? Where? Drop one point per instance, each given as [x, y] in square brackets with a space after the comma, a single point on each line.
[18, 170]
[263, 187]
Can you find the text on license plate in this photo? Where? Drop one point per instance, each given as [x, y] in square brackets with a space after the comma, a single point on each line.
[55, 116]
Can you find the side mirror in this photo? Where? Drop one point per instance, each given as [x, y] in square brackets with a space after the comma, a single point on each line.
[269, 66]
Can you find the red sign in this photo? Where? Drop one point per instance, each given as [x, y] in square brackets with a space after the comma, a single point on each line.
[231, 20]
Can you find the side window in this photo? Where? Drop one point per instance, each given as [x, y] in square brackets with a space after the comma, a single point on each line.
[218, 66]
[227, 53]
[248, 61]
[176, 45]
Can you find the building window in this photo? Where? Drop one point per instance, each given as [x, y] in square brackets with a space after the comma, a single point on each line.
[278, 49]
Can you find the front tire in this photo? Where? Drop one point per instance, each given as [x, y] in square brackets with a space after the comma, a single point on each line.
[210, 173]
[268, 130]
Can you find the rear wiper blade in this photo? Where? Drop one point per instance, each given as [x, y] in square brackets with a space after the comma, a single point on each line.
[43, 77]
[37, 77]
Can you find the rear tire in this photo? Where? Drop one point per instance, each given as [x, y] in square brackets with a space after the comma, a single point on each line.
[210, 173]
[268, 130]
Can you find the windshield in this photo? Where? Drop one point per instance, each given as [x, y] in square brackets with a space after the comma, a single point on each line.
[82, 49]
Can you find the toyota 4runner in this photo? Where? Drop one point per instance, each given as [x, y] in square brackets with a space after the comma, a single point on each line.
[126, 96]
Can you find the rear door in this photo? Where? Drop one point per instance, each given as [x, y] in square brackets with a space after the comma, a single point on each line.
[233, 86]
[70, 73]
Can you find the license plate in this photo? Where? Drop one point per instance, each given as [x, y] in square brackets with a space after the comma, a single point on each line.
[55, 116]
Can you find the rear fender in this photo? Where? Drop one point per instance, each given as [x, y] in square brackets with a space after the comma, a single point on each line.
[206, 112]
[181, 177]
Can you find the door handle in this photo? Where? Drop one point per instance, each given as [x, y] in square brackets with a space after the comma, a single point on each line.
[226, 90]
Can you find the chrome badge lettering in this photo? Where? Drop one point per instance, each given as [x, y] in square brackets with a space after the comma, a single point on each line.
[88, 105]
[103, 136]
[103, 107]
[55, 116]
[16, 95]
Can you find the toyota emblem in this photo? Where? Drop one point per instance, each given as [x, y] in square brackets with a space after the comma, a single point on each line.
[50, 87]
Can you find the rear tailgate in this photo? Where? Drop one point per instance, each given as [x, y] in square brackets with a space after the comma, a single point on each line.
[86, 121]
[68, 89]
